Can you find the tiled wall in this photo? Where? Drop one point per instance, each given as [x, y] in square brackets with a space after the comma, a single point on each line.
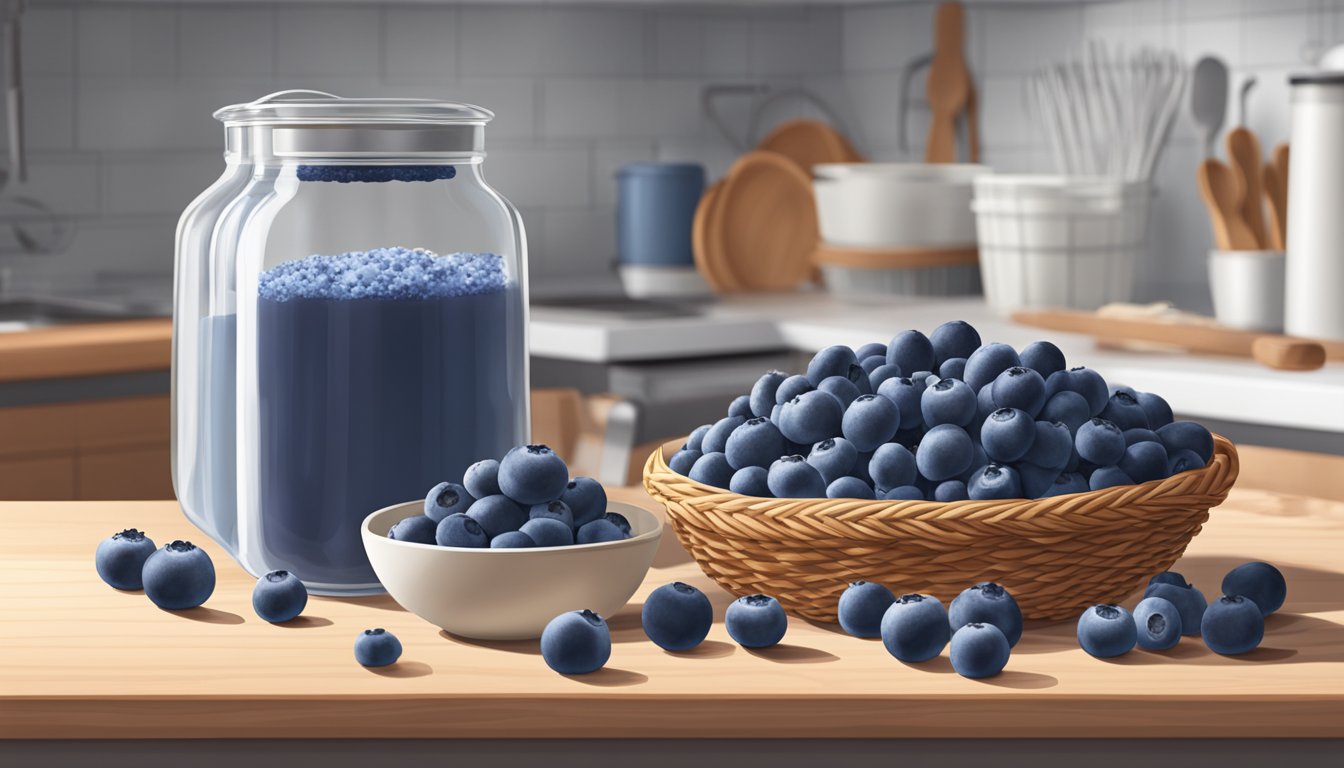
[119, 97]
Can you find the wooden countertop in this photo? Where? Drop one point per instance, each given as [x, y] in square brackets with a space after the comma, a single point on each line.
[86, 350]
[81, 660]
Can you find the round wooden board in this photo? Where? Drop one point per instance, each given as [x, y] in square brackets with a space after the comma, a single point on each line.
[706, 262]
[808, 142]
[763, 228]
[894, 258]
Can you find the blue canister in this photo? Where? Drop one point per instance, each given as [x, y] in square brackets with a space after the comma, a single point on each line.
[655, 207]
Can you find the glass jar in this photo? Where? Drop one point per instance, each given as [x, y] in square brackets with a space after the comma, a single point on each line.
[381, 327]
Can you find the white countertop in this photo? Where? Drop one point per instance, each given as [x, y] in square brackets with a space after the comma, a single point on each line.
[1196, 385]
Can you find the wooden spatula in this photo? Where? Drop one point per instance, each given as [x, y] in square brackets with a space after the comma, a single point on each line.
[1276, 198]
[1243, 152]
[1220, 188]
[949, 83]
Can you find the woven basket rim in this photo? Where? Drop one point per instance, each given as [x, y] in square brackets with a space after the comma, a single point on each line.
[1223, 466]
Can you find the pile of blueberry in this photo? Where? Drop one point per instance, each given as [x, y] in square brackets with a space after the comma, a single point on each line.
[940, 418]
[1231, 625]
[526, 499]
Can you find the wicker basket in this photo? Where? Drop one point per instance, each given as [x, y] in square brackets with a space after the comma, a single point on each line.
[1057, 556]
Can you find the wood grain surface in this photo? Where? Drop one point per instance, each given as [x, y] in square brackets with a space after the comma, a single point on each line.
[85, 350]
[84, 661]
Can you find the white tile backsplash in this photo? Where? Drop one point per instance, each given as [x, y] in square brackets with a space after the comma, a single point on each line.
[157, 184]
[327, 40]
[420, 43]
[126, 40]
[236, 40]
[52, 32]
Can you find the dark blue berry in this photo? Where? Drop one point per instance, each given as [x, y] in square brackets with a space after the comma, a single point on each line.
[676, 616]
[989, 603]
[1008, 434]
[879, 375]
[1043, 357]
[850, 487]
[587, 499]
[377, 648]
[495, 515]
[512, 540]
[179, 576]
[953, 339]
[550, 532]
[682, 461]
[598, 531]
[862, 605]
[1124, 411]
[1144, 462]
[1067, 407]
[871, 349]
[1232, 625]
[1107, 477]
[461, 531]
[750, 481]
[948, 401]
[695, 441]
[1157, 410]
[279, 596]
[831, 361]
[907, 398]
[979, 650]
[1261, 583]
[482, 479]
[811, 417]
[756, 621]
[842, 388]
[1188, 600]
[1085, 382]
[945, 452]
[1140, 435]
[1189, 435]
[555, 510]
[904, 493]
[1021, 388]
[716, 439]
[576, 643]
[892, 466]
[914, 628]
[870, 421]
[713, 470]
[418, 529]
[1052, 447]
[741, 406]
[762, 396]
[620, 521]
[1157, 623]
[447, 499]
[1183, 460]
[1100, 442]
[952, 368]
[791, 477]
[120, 558]
[987, 362]
[531, 474]
[790, 388]
[833, 458]
[1106, 631]
[756, 443]
[951, 490]
[912, 351]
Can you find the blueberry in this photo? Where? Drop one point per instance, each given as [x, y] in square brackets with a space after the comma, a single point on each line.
[995, 481]
[676, 616]
[915, 628]
[1085, 382]
[694, 442]
[870, 364]
[682, 461]
[741, 407]
[512, 540]
[554, 510]
[1008, 434]
[713, 470]
[416, 528]
[755, 443]
[831, 361]
[953, 339]
[1188, 600]
[833, 458]
[850, 487]
[462, 531]
[596, 532]
[120, 558]
[495, 515]
[892, 466]
[879, 375]
[1124, 411]
[1108, 477]
[1100, 442]
[1105, 631]
[576, 643]
[750, 481]
[950, 490]
[987, 362]
[1157, 410]
[912, 351]
[1068, 408]
[842, 388]
[989, 603]
[377, 648]
[1140, 435]
[791, 477]
[1043, 357]
[482, 479]
[551, 532]
[1183, 460]
[1144, 462]
[1168, 577]
[1233, 624]
[944, 453]
[756, 621]
[762, 397]
[948, 401]
[791, 388]
[446, 499]
[907, 398]
[870, 421]
[1036, 481]
[531, 474]
[1187, 434]
[862, 606]
[620, 521]
[979, 650]
[980, 460]
[811, 417]
[904, 493]
[279, 596]
[871, 349]
[178, 576]
[1052, 446]
[716, 439]
[1066, 483]
[587, 499]
[1261, 583]
[1019, 387]
[1157, 623]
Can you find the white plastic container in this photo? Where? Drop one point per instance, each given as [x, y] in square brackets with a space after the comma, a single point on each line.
[1315, 270]
[1059, 241]
[1248, 289]
[896, 205]
[655, 281]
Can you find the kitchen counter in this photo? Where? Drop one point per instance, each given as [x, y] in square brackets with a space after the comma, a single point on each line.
[83, 661]
[85, 350]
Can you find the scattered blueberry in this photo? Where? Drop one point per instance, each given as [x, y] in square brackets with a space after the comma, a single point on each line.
[576, 643]
[377, 647]
[1157, 410]
[1043, 357]
[915, 628]
[912, 351]
[1232, 625]
[587, 499]
[677, 616]
[512, 540]
[550, 532]
[892, 466]
[716, 439]
[948, 401]
[986, 363]
[531, 474]
[750, 481]
[1188, 600]
[495, 515]
[1085, 382]
[713, 470]
[1261, 583]
[461, 531]
[811, 417]
[994, 481]
[989, 603]
[418, 529]
[762, 397]
[831, 361]
[1144, 462]
[1158, 624]
[682, 461]
[862, 606]
[178, 576]
[1124, 411]
[791, 477]
[741, 407]
[1108, 477]
[945, 452]
[1187, 434]
[120, 558]
[596, 532]
[482, 479]
[953, 339]
[979, 650]
[555, 510]
[951, 490]
[870, 421]
[1008, 434]
[279, 596]
[1067, 407]
[755, 443]
[1100, 442]
[1021, 388]
[849, 487]
[756, 621]
[790, 388]
[1105, 631]
[447, 499]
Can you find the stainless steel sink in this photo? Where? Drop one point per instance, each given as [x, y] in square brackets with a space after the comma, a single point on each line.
[21, 314]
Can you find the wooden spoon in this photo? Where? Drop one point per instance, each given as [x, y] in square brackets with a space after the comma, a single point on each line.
[1243, 152]
[1219, 187]
[1276, 196]
[949, 83]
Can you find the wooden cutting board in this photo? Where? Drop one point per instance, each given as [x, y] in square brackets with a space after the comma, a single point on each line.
[809, 142]
[762, 229]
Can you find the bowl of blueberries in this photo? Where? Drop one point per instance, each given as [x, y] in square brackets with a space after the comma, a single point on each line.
[934, 461]
[516, 542]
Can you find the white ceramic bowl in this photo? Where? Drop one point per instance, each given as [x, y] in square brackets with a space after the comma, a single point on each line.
[896, 205]
[508, 594]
